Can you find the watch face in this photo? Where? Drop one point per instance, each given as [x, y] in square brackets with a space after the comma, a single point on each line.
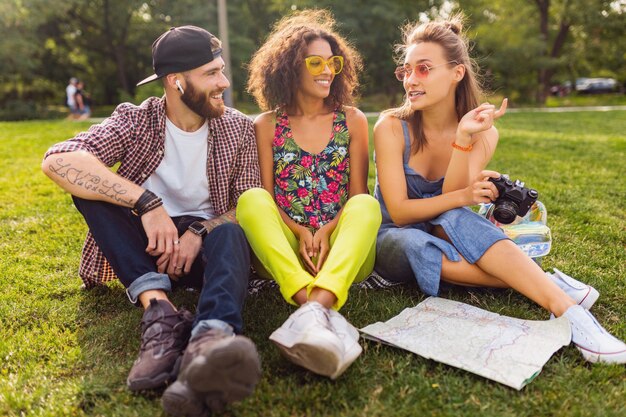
[198, 228]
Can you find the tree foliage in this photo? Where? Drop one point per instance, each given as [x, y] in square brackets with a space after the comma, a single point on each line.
[523, 46]
[529, 45]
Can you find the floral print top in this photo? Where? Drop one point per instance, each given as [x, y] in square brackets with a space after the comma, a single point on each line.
[311, 188]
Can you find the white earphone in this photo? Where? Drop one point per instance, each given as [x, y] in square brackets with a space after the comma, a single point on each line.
[180, 88]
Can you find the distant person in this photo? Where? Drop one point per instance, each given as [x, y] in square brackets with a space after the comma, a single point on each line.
[431, 155]
[82, 101]
[70, 98]
[313, 225]
[167, 217]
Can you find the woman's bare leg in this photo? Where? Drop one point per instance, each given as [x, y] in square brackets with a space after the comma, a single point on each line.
[504, 262]
[300, 297]
[322, 296]
[464, 273]
[507, 262]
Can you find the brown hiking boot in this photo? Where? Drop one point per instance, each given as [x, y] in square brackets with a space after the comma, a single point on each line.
[216, 369]
[164, 336]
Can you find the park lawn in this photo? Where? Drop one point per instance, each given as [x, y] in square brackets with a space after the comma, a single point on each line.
[66, 352]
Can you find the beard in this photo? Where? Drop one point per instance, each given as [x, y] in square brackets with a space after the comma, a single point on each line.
[200, 102]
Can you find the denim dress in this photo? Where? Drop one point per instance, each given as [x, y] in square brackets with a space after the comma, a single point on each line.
[411, 252]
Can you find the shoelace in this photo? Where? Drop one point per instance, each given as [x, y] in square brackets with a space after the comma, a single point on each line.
[583, 335]
[156, 339]
[322, 315]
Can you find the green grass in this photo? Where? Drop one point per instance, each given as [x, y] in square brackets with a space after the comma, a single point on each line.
[66, 352]
[612, 99]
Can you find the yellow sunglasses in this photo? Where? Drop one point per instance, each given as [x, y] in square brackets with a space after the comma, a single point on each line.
[315, 64]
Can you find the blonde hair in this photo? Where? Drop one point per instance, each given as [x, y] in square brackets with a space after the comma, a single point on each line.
[449, 35]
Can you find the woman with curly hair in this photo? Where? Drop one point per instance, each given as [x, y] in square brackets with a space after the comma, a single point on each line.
[313, 225]
[431, 155]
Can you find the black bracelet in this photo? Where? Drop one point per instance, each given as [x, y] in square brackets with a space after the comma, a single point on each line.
[151, 206]
[144, 199]
[148, 207]
[146, 202]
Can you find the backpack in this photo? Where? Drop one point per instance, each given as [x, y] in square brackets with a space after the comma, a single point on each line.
[530, 233]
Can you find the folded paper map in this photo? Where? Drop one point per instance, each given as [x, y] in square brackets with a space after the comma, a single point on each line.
[507, 350]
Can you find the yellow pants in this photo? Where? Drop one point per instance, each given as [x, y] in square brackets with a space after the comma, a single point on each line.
[352, 245]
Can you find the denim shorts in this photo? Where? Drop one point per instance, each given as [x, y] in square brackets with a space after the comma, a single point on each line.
[405, 254]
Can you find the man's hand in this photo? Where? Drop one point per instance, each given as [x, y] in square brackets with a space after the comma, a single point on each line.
[179, 264]
[161, 232]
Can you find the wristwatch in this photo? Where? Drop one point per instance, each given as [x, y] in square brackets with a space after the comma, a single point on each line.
[198, 228]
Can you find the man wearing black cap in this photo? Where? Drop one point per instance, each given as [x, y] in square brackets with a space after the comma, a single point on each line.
[166, 217]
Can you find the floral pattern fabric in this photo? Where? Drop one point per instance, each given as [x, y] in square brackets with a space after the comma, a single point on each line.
[311, 188]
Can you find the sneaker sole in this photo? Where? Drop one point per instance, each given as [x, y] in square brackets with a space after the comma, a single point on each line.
[224, 373]
[309, 351]
[349, 357]
[596, 357]
[178, 399]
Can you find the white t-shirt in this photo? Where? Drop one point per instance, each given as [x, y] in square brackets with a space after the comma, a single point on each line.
[70, 91]
[180, 180]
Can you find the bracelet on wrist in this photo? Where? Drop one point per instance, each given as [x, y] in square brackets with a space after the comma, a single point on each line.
[146, 197]
[146, 202]
[462, 148]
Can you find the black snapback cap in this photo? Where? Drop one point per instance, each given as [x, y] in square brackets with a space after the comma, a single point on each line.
[181, 49]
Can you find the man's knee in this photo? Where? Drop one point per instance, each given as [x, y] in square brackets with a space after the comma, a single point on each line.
[227, 237]
[95, 210]
[85, 207]
[226, 249]
[228, 231]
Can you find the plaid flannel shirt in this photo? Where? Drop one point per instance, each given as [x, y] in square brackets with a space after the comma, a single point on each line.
[134, 136]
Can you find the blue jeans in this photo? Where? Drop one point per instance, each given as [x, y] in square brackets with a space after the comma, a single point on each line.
[221, 269]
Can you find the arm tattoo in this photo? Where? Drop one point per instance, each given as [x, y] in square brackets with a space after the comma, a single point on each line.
[228, 217]
[90, 182]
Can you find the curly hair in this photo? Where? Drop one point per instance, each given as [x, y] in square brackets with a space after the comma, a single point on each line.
[274, 71]
[449, 35]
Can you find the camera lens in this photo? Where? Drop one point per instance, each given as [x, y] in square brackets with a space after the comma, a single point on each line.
[505, 212]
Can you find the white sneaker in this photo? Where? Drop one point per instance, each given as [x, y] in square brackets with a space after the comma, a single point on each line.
[593, 341]
[307, 339]
[349, 336]
[583, 294]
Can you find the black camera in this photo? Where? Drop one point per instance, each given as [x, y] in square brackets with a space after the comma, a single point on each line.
[514, 199]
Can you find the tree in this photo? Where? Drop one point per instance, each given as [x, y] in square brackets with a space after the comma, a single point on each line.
[115, 37]
[523, 47]
[19, 43]
[600, 49]
[373, 27]
[550, 38]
